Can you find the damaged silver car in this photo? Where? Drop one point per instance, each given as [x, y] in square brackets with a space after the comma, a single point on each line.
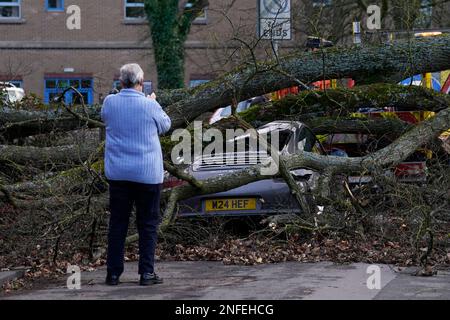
[271, 196]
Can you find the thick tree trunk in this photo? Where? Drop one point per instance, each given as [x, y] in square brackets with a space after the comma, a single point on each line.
[66, 182]
[360, 126]
[322, 125]
[20, 123]
[8, 115]
[48, 157]
[342, 102]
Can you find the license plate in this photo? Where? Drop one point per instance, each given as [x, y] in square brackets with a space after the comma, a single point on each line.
[230, 204]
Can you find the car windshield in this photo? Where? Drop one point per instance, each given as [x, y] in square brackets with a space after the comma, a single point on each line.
[282, 136]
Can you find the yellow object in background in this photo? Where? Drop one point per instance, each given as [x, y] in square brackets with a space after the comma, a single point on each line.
[428, 80]
[274, 96]
[334, 83]
[444, 76]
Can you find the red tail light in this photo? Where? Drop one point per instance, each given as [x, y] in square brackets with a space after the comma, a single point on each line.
[173, 182]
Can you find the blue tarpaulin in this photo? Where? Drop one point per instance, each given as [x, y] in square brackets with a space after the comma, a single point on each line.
[417, 81]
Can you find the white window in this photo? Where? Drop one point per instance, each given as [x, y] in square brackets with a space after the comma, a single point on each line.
[10, 9]
[134, 9]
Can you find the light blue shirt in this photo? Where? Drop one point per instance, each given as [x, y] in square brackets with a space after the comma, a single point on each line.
[133, 126]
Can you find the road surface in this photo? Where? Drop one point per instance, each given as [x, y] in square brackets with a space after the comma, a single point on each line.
[291, 280]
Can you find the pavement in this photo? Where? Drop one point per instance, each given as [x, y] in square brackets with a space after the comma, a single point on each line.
[287, 281]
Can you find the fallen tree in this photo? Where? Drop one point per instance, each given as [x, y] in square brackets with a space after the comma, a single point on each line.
[292, 107]
[81, 190]
[389, 156]
[17, 123]
[50, 156]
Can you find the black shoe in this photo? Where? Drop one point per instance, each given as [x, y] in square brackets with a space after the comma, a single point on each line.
[149, 279]
[112, 280]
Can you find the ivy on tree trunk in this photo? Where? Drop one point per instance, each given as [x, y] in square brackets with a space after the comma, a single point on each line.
[170, 23]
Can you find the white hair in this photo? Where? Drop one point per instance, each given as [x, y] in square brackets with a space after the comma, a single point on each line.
[131, 75]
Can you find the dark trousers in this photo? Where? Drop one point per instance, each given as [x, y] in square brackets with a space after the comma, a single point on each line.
[146, 198]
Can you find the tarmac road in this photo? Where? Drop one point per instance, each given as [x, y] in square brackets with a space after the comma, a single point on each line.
[215, 281]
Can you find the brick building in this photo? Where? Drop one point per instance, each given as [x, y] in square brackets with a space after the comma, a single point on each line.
[40, 53]
[37, 49]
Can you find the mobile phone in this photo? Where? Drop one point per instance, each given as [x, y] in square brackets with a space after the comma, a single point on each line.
[148, 88]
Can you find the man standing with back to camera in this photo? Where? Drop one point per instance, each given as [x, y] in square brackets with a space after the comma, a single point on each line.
[134, 169]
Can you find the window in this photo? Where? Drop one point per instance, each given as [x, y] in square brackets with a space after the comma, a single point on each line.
[55, 86]
[54, 5]
[134, 9]
[10, 9]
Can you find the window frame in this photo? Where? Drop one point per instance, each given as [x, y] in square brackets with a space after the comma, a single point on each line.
[132, 5]
[69, 96]
[11, 4]
[59, 9]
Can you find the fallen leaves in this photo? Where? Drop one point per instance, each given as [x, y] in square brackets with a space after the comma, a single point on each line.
[253, 251]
